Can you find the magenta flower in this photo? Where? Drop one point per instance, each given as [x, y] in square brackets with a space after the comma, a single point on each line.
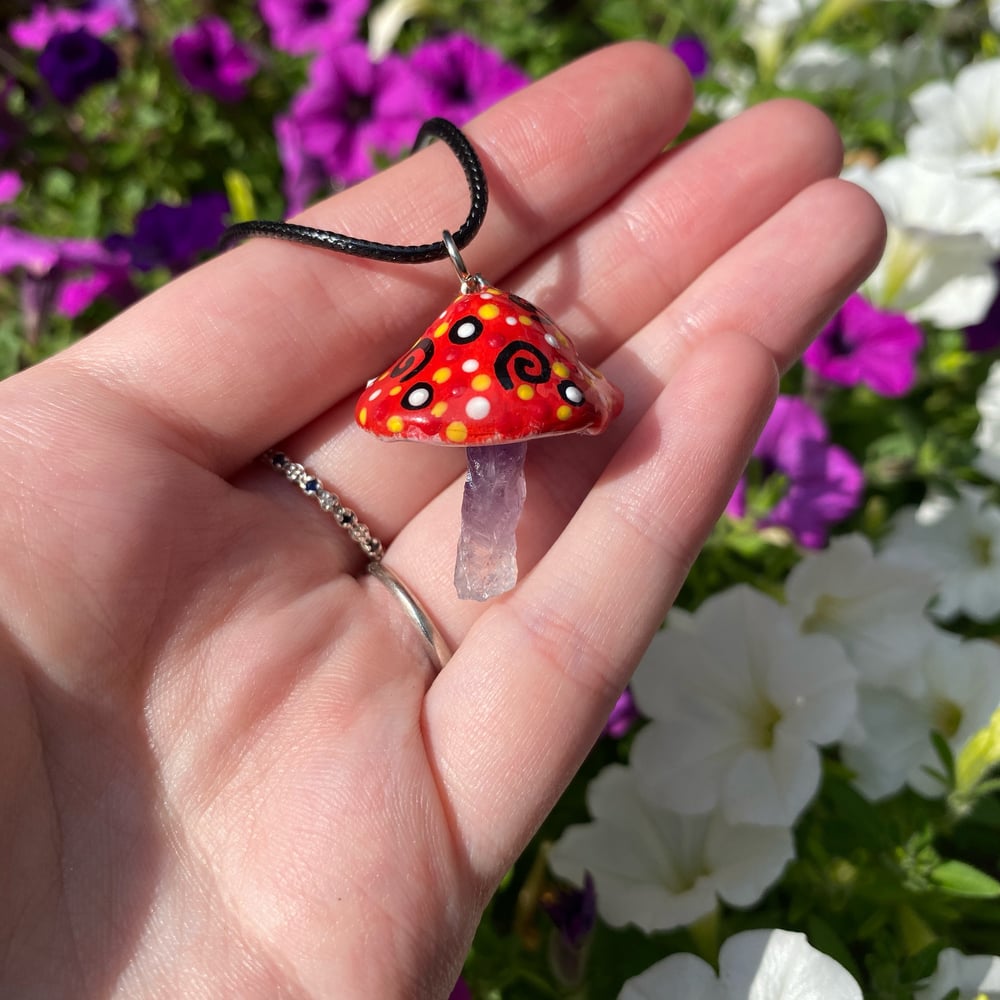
[62, 275]
[354, 108]
[10, 185]
[301, 26]
[824, 483]
[209, 58]
[692, 52]
[623, 716]
[35, 31]
[304, 175]
[863, 344]
[461, 77]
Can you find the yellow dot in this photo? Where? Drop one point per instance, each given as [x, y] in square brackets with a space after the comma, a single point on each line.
[564, 412]
[525, 320]
[440, 331]
[363, 416]
[494, 291]
[395, 390]
[395, 424]
[489, 311]
[438, 409]
[560, 369]
[456, 431]
[442, 375]
[525, 392]
[481, 383]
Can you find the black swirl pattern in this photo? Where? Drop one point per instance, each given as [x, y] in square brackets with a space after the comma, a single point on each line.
[409, 367]
[528, 362]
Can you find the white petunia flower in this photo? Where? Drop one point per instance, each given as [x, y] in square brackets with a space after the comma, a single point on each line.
[987, 437]
[821, 66]
[739, 701]
[657, 869]
[753, 965]
[959, 542]
[961, 692]
[873, 608]
[943, 234]
[958, 124]
[976, 977]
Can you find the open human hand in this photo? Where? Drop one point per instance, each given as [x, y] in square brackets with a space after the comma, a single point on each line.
[226, 765]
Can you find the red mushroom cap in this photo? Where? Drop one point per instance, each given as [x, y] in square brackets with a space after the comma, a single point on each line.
[491, 368]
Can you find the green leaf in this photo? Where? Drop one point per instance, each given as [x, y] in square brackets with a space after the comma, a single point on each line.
[957, 878]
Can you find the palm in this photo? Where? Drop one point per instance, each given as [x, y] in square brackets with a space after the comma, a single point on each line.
[224, 760]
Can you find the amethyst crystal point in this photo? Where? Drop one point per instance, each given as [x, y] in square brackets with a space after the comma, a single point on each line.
[491, 506]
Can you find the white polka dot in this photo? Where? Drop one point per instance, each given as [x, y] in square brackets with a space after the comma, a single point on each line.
[470, 366]
[477, 408]
[466, 329]
[573, 394]
[551, 340]
[375, 395]
[512, 320]
[418, 396]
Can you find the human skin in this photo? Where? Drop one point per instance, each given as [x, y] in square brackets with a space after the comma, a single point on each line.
[226, 766]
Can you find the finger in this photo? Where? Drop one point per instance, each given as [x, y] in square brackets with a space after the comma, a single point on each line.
[685, 211]
[532, 685]
[243, 350]
[821, 244]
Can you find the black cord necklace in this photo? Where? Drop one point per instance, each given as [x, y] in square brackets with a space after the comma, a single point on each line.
[489, 373]
[475, 177]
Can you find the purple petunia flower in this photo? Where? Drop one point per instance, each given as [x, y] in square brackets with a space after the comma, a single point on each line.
[461, 991]
[825, 484]
[461, 77]
[98, 18]
[209, 58]
[985, 335]
[574, 914]
[692, 52]
[174, 236]
[304, 175]
[353, 108]
[623, 716]
[301, 26]
[73, 61]
[863, 344]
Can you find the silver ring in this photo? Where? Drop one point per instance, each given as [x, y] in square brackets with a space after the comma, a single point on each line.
[470, 282]
[437, 649]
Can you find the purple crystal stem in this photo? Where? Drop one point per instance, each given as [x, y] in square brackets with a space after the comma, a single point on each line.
[491, 506]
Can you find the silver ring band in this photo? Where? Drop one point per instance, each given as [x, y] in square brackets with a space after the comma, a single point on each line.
[436, 648]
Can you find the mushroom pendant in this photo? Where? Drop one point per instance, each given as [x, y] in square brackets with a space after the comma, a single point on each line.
[489, 374]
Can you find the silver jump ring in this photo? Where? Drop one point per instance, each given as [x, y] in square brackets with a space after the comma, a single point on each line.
[470, 282]
[435, 646]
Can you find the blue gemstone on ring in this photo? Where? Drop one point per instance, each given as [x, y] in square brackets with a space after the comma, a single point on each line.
[312, 486]
[278, 460]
